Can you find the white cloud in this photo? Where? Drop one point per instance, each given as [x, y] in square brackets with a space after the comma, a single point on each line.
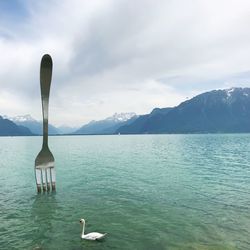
[119, 56]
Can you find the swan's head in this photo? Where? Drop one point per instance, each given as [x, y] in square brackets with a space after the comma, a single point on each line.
[82, 221]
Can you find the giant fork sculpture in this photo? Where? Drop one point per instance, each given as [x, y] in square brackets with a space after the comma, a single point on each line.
[44, 163]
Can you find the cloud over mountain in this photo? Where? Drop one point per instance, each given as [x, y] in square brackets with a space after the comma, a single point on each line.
[152, 53]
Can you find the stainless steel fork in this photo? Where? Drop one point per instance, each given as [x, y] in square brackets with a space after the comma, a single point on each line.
[45, 162]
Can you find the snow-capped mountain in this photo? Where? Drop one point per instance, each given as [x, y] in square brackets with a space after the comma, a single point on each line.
[108, 125]
[121, 117]
[20, 118]
[236, 92]
[32, 124]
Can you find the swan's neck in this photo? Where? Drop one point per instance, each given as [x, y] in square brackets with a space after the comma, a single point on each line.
[83, 227]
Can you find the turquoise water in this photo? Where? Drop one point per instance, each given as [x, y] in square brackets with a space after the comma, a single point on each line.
[147, 192]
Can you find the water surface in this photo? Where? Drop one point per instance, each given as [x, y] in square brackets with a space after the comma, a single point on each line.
[145, 191]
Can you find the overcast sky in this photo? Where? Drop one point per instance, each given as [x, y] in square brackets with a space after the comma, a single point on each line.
[119, 55]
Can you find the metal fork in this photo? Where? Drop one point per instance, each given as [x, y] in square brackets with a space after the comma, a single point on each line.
[45, 162]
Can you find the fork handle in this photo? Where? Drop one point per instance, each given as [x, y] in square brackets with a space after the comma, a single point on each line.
[45, 81]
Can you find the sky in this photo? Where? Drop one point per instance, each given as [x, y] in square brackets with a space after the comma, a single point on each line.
[119, 55]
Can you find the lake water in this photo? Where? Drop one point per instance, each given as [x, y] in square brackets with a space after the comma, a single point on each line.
[146, 191]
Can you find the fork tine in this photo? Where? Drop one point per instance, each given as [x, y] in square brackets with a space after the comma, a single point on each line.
[48, 179]
[44, 180]
[53, 178]
[38, 180]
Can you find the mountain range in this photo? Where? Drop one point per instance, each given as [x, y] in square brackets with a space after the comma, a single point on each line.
[33, 125]
[36, 127]
[108, 125]
[217, 111]
[8, 128]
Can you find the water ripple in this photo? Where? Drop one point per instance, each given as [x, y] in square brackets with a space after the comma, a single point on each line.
[147, 192]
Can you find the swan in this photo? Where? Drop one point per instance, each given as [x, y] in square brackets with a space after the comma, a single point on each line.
[90, 236]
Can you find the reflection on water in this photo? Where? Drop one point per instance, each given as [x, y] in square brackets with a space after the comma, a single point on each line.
[43, 213]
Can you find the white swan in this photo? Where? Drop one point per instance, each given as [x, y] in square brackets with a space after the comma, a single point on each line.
[90, 236]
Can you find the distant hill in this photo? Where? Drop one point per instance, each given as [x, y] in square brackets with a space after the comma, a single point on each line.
[66, 129]
[9, 128]
[108, 125]
[217, 111]
[33, 125]
[143, 122]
